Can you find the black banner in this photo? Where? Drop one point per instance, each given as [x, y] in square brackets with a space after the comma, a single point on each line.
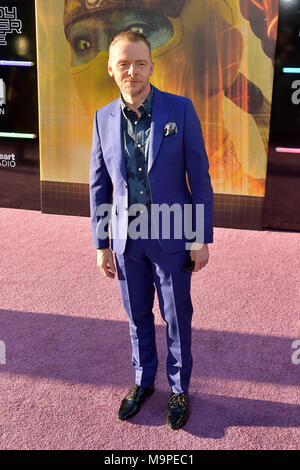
[281, 204]
[19, 148]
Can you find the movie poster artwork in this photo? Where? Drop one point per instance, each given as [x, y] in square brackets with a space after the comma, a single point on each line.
[218, 53]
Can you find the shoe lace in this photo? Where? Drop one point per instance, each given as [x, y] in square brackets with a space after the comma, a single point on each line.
[177, 400]
[132, 392]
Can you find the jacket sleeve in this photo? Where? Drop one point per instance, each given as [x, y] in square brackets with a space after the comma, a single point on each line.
[197, 168]
[100, 189]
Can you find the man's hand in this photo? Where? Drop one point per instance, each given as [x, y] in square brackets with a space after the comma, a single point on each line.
[105, 261]
[200, 255]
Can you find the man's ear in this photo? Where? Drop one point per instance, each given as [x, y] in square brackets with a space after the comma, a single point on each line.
[152, 67]
[110, 71]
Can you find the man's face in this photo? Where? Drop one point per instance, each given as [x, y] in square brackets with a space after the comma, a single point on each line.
[131, 66]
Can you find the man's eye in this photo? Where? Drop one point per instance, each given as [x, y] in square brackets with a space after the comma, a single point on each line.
[83, 44]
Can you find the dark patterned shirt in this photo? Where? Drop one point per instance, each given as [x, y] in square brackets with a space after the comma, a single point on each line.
[136, 139]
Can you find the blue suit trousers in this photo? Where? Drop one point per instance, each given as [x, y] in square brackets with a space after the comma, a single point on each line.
[142, 267]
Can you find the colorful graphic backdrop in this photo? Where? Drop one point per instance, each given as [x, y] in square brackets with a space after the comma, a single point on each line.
[219, 53]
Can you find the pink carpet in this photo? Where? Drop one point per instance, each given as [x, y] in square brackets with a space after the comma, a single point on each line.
[68, 351]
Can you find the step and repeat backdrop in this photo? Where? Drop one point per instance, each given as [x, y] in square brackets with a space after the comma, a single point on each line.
[282, 195]
[223, 54]
[19, 143]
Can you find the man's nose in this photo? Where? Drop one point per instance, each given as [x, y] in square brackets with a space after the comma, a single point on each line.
[132, 70]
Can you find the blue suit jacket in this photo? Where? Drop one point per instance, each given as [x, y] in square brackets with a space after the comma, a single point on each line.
[170, 157]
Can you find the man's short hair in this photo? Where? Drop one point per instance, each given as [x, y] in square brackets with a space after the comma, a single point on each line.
[132, 36]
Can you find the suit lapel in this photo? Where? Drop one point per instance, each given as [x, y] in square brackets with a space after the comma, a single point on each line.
[115, 130]
[160, 113]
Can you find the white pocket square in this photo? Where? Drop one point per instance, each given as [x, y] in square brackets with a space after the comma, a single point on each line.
[170, 128]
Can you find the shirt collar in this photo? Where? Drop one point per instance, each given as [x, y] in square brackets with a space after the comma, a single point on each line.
[146, 106]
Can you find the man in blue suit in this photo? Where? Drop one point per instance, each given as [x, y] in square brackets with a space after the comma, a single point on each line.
[144, 145]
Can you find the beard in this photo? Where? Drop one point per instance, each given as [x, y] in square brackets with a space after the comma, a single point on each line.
[135, 90]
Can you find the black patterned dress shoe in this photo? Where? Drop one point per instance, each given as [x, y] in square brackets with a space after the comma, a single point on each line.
[178, 410]
[132, 402]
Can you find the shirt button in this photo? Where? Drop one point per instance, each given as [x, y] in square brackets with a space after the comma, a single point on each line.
[139, 146]
[135, 122]
[140, 169]
[141, 192]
